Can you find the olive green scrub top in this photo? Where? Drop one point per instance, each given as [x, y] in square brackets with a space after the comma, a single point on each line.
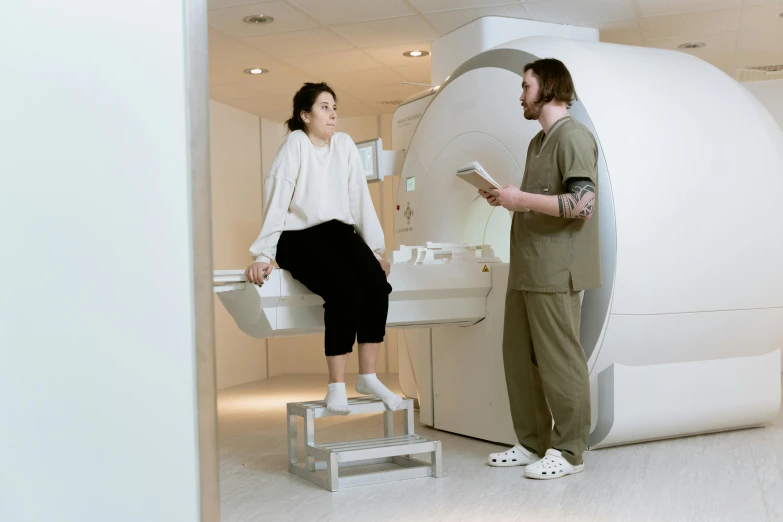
[555, 254]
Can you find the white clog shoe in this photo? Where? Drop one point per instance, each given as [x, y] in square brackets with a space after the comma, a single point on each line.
[552, 466]
[516, 456]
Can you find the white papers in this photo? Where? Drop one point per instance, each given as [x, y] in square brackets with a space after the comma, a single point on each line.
[475, 174]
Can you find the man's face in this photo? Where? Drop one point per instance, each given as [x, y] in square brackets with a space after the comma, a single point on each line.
[530, 96]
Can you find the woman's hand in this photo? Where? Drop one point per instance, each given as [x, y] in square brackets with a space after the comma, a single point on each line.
[256, 272]
[386, 266]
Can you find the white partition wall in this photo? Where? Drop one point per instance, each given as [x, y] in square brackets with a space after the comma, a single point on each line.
[103, 125]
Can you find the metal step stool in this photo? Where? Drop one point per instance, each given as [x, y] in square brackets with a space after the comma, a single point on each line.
[323, 462]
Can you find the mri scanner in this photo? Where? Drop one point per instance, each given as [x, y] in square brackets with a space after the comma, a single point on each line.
[684, 336]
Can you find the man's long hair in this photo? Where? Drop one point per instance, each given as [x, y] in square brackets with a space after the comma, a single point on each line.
[554, 81]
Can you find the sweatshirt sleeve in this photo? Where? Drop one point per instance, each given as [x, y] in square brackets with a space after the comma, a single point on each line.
[362, 210]
[278, 191]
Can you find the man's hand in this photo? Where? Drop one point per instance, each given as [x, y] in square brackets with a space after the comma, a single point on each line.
[489, 197]
[509, 197]
[386, 266]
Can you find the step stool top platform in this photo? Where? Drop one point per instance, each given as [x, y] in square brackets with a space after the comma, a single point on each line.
[385, 442]
[358, 406]
[359, 450]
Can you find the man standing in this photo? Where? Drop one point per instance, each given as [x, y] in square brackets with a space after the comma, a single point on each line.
[554, 257]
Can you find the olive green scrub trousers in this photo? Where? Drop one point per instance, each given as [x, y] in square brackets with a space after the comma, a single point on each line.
[546, 372]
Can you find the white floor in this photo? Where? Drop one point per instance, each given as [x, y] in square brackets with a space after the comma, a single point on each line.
[735, 476]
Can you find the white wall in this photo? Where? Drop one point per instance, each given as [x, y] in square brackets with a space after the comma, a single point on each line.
[235, 149]
[97, 352]
[770, 93]
[273, 134]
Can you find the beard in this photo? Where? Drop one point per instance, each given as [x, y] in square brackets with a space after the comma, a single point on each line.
[532, 111]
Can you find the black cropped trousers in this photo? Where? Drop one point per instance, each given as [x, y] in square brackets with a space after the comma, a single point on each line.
[333, 261]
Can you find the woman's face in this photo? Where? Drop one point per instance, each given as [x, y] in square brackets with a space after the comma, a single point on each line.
[321, 121]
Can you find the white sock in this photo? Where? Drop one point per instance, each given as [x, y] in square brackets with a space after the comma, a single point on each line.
[337, 400]
[369, 384]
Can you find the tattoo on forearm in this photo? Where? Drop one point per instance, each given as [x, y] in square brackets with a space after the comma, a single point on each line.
[578, 203]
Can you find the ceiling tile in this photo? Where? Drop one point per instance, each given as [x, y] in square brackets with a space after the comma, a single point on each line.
[229, 58]
[217, 4]
[300, 43]
[667, 7]
[216, 35]
[322, 65]
[229, 19]
[392, 31]
[348, 11]
[365, 79]
[431, 6]
[761, 36]
[581, 13]
[691, 24]
[762, 18]
[392, 55]
[719, 48]
[419, 73]
[263, 84]
[626, 32]
[448, 21]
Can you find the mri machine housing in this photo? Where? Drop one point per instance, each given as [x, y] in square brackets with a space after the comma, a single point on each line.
[684, 336]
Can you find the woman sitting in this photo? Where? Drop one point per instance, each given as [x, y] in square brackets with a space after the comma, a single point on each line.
[320, 225]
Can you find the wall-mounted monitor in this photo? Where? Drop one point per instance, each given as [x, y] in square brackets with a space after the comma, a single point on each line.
[370, 153]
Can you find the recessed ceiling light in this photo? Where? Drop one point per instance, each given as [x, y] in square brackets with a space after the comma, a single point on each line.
[416, 54]
[692, 45]
[256, 70]
[258, 19]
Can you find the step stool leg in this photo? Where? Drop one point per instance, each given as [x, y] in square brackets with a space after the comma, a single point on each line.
[388, 424]
[293, 458]
[408, 423]
[309, 428]
[437, 461]
[332, 473]
[409, 419]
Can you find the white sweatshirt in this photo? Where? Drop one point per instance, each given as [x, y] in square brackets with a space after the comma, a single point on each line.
[309, 185]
